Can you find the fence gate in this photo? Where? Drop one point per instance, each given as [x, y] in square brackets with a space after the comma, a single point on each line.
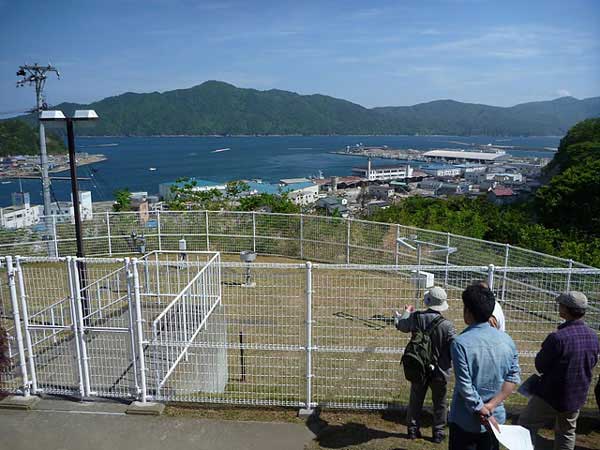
[78, 340]
[107, 309]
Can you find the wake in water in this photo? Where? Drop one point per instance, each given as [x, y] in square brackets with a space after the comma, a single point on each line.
[219, 150]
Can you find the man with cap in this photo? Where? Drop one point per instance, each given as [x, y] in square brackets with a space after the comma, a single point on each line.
[565, 363]
[441, 337]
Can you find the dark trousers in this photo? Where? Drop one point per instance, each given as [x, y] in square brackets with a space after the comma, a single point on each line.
[415, 404]
[463, 440]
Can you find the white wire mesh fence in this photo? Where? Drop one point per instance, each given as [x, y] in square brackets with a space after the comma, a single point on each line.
[198, 329]
[315, 238]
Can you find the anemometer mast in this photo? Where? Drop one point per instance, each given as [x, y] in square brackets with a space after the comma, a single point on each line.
[36, 75]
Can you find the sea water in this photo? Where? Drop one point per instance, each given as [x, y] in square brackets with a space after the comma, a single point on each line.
[269, 158]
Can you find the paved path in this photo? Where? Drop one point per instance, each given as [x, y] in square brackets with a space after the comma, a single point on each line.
[64, 425]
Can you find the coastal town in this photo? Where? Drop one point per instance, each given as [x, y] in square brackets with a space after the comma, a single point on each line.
[20, 166]
[440, 173]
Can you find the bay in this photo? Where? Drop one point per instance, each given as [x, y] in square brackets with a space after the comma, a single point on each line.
[246, 157]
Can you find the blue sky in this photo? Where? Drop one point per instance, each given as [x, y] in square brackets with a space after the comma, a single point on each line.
[374, 53]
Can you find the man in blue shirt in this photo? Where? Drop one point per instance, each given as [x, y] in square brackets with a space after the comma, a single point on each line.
[486, 368]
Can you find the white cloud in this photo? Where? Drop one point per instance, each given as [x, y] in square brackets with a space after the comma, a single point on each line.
[563, 93]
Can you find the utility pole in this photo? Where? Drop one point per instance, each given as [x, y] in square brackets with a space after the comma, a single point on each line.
[36, 75]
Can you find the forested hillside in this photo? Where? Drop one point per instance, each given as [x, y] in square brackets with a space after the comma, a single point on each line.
[220, 108]
[20, 138]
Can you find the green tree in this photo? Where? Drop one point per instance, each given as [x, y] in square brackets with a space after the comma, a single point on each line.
[277, 203]
[122, 200]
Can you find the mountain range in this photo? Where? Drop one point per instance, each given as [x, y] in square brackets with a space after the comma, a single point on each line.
[218, 108]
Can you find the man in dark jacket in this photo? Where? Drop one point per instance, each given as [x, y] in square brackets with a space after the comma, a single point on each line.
[442, 335]
[565, 362]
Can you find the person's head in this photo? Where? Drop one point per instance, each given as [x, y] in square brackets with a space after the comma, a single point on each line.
[436, 299]
[572, 305]
[478, 302]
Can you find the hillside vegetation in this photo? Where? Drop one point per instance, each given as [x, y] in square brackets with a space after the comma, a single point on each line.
[219, 108]
[563, 219]
[20, 138]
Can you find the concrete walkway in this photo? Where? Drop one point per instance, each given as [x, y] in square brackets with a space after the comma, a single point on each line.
[64, 425]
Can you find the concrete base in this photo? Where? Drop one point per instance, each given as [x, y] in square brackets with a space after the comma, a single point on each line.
[145, 409]
[305, 413]
[19, 402]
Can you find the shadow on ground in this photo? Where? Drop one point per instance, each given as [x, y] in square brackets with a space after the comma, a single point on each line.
[345, 435]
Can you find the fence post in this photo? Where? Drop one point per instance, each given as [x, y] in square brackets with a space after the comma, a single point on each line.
[158, 229]
[506, 253]
[79, 325]
[569, 275]
[207, 238]
[253, 231]
[72, 275]
[308, 407]
[301, 236]
[490, 277]
[157, 278]
[108, 232]
[31, 356]
[140, 334]
[17, 321]
[397, 244]
[132, 335]
[55, 236]
[447, 259]
[348, 242]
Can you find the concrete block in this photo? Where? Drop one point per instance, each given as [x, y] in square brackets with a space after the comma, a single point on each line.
[145, 409]
[19, 402]
[305, 413]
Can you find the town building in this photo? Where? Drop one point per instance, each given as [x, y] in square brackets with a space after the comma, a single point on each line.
[465, 156]
[63, 212]
[383, 173]
[381, 191]
[441, 170]
[501, 195]
[303, 193]
[334, 205]
[21, 213]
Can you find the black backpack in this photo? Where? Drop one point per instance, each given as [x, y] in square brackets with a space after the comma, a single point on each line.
[418, 359]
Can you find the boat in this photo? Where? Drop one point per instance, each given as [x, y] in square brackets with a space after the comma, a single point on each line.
[152, 169]
[219, 150]
[6, 182]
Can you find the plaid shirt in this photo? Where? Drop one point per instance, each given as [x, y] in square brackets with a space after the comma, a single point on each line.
[566, 361]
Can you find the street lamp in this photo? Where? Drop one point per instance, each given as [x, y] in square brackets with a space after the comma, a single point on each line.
[56, 119]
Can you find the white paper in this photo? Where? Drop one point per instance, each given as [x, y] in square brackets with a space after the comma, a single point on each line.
[513, 437]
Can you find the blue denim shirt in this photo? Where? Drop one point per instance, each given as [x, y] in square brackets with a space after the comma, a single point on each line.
[483, 359]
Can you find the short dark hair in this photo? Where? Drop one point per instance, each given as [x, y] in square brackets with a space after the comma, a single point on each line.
[479, 300]
[577, 313]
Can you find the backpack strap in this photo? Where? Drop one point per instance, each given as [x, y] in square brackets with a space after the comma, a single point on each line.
[434, 324]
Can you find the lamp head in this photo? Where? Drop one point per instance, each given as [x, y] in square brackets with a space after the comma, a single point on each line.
[52, 116]
[85, 114]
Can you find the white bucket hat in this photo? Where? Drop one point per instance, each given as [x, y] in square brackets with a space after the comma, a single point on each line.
[435, 299]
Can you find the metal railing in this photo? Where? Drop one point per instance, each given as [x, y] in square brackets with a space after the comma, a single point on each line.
[175, 329]
[315, 238]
